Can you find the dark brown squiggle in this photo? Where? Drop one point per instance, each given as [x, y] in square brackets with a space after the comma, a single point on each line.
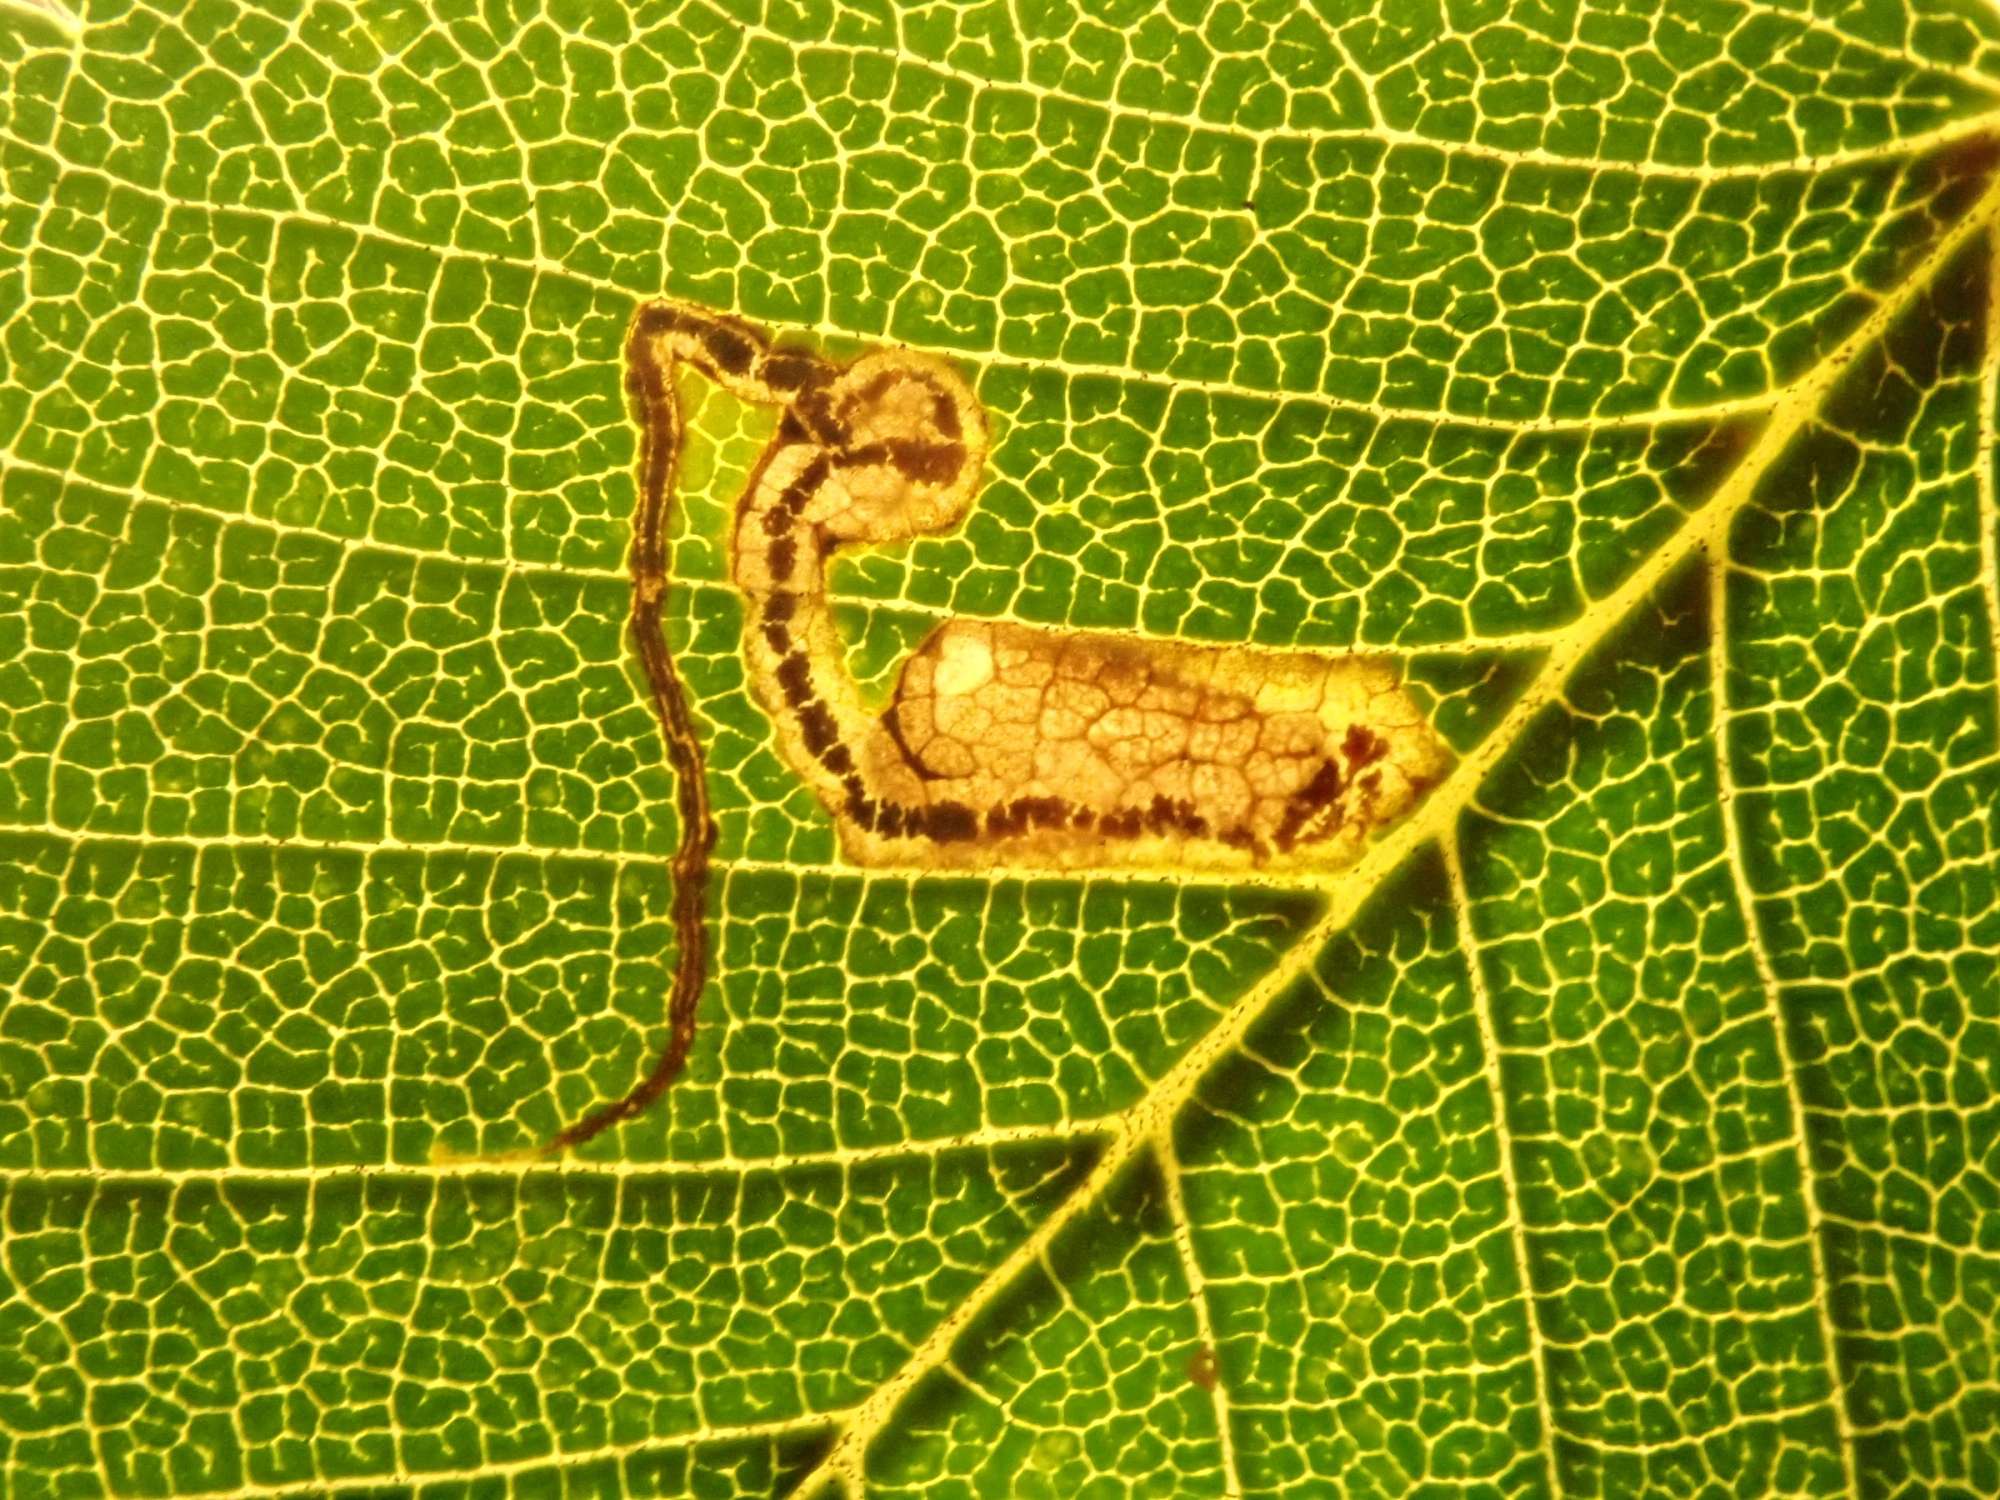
[889, 446]
[725, 351]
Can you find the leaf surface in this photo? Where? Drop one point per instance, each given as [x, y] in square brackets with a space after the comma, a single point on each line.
[1621, 1124]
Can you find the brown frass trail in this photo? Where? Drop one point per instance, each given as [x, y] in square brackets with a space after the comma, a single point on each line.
[725, 349]
[739, 358]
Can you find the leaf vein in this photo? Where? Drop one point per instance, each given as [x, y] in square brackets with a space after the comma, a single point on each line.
[992, 355]
[1517, 1222]
[1435, 820]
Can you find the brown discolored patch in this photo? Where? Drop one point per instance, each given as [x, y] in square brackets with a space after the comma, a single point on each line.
[1969, 157]
[950, 822]
[1024, 813]
[1362, 747]
[1696, 463]
[1157, 750]
[794, 678]
[1203, 1369]
[732, 349]
[1315, 797]
[1961, 169]
[788, 371]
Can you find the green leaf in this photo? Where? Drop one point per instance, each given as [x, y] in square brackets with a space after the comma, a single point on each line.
[1625, 1122]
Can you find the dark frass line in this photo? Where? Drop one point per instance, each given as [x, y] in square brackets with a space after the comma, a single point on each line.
[741, 360]
[648, 381]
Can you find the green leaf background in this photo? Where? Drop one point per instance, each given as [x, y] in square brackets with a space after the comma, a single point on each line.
[1624, 1125]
